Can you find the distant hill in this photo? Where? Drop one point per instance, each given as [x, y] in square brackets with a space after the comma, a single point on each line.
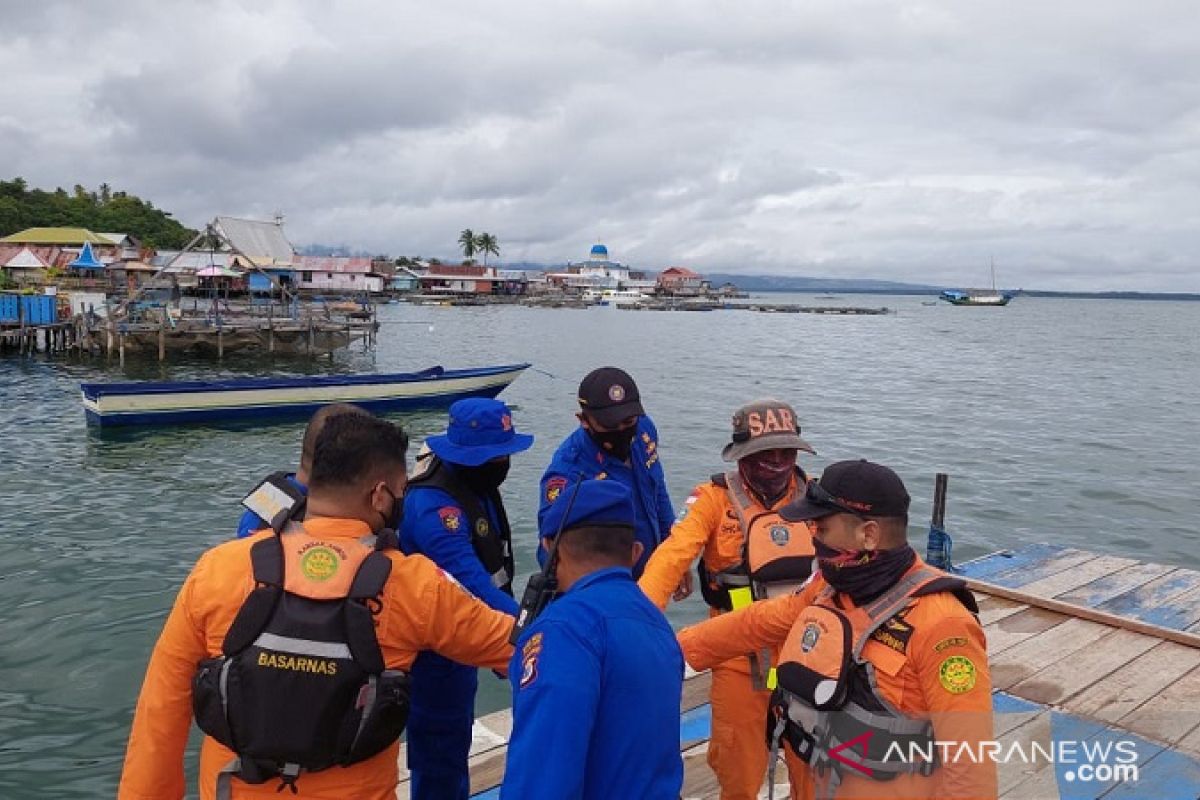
[101, 211]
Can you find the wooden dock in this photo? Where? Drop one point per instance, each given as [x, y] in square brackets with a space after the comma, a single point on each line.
[1084, 648]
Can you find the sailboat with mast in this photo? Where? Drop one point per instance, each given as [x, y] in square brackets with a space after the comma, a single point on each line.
[979, 297]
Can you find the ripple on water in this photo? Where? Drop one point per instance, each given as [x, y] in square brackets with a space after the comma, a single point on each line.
[1048, 433]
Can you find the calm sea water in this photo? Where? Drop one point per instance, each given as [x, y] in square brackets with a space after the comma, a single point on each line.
[1074, 422]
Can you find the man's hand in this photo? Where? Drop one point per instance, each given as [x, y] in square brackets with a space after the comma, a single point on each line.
[684, 589]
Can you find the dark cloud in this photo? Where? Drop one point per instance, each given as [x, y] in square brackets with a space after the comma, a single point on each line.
[900, 141]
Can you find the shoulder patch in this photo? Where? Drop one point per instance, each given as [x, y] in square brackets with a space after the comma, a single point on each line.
[451, 517]
[957, 674]
[894, 633]
[554, 488]
[948, 642]
[529, 656]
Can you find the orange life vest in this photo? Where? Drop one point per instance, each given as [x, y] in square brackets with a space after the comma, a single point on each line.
[777, 555]
[828, 706]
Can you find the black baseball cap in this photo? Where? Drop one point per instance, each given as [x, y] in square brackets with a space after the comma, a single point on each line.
[610, 396]
[851, 487]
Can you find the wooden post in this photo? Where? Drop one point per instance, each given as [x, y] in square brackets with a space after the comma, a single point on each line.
[162, 338]
[310, 336]
[270, 332]
[220, 342]
[122, 339]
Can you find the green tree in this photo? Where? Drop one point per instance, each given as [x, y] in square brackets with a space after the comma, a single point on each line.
[487, 243]
[469, 242]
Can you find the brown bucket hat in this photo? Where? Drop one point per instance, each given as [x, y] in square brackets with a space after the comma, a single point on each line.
[764, 425]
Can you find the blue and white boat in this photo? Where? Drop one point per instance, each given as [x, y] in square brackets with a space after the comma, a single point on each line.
[171, 402]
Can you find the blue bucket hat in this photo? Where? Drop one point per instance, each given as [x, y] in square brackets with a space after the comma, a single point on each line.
[480, 429]
[596, 502]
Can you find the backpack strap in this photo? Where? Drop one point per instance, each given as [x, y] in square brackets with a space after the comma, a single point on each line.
[367, 586]
[953, 585]
[266, 557]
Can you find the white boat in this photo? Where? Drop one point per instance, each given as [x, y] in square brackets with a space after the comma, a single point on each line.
[622, 297]
[169, 402]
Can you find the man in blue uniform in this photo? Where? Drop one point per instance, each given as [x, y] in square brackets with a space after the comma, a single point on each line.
[615, 441]
[598, 677]
[453, 514]
[295, 484]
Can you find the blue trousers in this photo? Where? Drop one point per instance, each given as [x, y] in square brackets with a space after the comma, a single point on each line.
[439, 728]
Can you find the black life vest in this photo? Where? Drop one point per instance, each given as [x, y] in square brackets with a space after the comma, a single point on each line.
[492, 543]
[301, 684]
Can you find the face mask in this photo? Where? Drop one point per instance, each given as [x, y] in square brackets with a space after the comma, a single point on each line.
[769, 478]
[486, 477]
[396, 516]
[618, 443]
[863, 574]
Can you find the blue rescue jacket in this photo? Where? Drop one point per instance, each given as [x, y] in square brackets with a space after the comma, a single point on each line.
[579, 458]
[597, 682]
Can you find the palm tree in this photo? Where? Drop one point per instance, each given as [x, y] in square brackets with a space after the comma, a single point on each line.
[486, 243]
[469, 242]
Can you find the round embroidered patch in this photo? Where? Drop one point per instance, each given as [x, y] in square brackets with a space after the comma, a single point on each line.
[780, 535]
[616, 393]
[319, 563]
[957, 674]
[481, 527]
[809, 640]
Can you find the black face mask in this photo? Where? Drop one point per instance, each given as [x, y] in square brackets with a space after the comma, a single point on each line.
[486, 477]
[863, 574]
[396, 517]
[618, 443]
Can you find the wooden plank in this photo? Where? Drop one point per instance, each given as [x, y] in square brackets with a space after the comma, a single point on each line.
[993, 609]
[1035, 654]
[1170, 715]
[1067, 559]
[1007, 560]
[1078, 575]
[1165, 775]
[1023, 625]
[1064, 679]
[1106, 588]
[1153, 594]
[1013, 773]
[1142, 678]
[1190, 745]
[1105, 617]
[1180, 612]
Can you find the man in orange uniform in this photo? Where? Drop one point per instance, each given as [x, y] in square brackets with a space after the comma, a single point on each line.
[878, 649]
[749, 553]
[357, 481]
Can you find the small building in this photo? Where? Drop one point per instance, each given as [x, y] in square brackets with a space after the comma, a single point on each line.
[680, 281]
[403, 279]
[341, 274]
[22, 265]
[460, 279]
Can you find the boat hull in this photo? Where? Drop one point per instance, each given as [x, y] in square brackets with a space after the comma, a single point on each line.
[154, 403]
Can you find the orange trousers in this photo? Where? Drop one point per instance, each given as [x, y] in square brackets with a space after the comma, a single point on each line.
[737, 751]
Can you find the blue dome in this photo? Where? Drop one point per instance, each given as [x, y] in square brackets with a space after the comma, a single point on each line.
[599, 250]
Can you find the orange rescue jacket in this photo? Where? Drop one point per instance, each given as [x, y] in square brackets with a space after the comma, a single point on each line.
[932, 664]
[422, 609]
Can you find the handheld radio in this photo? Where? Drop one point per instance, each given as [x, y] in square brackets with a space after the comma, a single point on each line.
[543, 585]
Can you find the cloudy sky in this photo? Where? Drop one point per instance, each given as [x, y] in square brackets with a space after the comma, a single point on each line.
[909, 141]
